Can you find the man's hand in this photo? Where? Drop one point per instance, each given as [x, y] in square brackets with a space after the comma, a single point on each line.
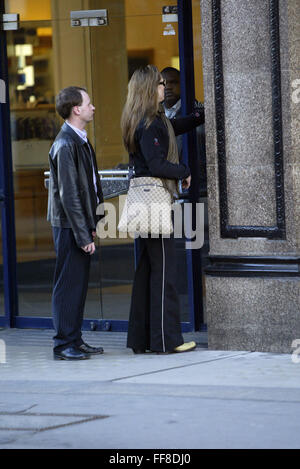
[186, 182]
[89, 248]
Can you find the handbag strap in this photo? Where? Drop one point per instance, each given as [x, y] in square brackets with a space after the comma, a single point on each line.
[152, 185]
[145, 181]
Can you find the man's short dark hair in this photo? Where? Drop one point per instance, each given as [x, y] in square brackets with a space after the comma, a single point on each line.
[170, 69]
[67, 99]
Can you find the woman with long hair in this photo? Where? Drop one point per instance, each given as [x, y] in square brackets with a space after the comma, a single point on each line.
[149, 137]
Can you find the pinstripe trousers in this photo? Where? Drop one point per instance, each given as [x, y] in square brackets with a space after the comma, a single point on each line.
[154, 321]
[70, 288]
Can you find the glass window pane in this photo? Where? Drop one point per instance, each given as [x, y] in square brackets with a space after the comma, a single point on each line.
[30, 10]
[117, 272]
[41, 62]
[2, 310]
[34, 125]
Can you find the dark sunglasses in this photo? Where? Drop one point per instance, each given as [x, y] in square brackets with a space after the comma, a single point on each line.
[163, 82]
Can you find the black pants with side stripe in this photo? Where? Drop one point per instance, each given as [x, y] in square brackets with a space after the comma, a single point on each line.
[70, 288]
[154, 322]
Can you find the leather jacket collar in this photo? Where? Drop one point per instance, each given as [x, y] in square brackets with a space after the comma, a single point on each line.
[67, 129]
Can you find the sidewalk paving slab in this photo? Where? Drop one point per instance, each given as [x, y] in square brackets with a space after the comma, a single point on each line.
[201, 399]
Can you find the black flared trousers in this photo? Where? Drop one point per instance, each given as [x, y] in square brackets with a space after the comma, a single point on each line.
[154, 322]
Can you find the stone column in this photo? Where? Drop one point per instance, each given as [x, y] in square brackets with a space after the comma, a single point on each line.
[251, 57]
[110, 80]
[70, 68]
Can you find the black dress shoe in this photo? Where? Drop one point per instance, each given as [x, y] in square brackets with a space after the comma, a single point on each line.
[70, 353]
[85, 348]
[138, 351]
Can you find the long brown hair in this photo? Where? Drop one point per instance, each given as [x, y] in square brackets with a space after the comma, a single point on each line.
[142, 102]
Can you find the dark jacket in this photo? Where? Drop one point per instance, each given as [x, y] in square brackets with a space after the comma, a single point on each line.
[200, 148]
[152, 143]
[72, 200]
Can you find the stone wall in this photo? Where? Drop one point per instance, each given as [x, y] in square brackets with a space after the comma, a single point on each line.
[251, 53]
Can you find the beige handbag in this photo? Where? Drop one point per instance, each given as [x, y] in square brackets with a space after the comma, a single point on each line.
[147, 209]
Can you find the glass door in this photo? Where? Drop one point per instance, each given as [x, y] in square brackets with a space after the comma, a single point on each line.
[2, 304]
[45, 55]
[135, 37]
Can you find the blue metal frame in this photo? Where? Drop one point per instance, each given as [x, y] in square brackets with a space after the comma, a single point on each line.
[189, 144]
[112, 325]
[7, 191]
[11, 318]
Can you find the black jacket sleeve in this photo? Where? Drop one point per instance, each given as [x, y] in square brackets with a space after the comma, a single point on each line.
[190, 122]
[154, 147]
[68, 186]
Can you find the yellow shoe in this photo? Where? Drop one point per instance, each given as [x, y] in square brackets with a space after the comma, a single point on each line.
[185, 347]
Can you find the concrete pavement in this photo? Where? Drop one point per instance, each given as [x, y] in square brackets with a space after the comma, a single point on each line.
[118, 400]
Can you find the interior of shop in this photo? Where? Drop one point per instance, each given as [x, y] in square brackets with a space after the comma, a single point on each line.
[44, 55]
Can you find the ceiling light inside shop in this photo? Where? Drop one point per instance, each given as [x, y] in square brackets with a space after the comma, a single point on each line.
[24, 50]
[44, 32]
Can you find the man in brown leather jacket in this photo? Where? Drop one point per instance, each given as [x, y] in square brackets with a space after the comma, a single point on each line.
[74, 193]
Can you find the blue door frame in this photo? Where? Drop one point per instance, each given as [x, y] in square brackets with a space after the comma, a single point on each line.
[11, 317]
[7, 197]
[189, 146]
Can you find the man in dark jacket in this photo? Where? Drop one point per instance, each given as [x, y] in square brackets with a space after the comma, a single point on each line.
[74, 193]
[172, 105]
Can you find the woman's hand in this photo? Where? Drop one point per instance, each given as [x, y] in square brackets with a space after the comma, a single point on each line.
[186, 182]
